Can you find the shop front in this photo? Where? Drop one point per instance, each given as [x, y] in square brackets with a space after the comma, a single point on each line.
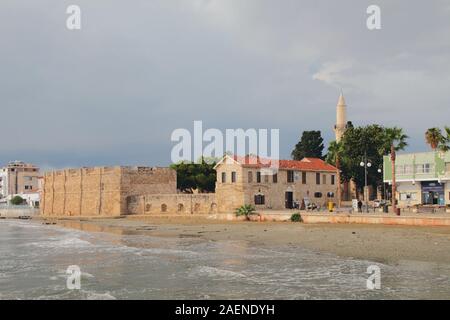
[433, 193]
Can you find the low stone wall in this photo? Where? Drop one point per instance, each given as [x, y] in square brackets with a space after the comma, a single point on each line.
[172, 204]
[18, 212]
[382, 219]
[314, 218]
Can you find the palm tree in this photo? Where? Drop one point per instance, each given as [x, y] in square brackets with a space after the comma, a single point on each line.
[444, 146]
[335, 151]
[396, 140]
[246, 210]
[434, 137]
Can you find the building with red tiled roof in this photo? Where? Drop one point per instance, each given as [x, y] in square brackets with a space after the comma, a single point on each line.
[274, 184]
[306, 164]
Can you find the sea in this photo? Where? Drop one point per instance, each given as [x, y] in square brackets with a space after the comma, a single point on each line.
[37, 262]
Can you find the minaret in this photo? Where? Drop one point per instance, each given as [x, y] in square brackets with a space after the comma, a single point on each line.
[341, 118]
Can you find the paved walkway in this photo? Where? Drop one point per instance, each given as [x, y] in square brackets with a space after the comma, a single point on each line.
[348, 211]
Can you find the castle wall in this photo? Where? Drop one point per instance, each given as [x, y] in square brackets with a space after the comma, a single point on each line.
[101, 191]
[173, 204]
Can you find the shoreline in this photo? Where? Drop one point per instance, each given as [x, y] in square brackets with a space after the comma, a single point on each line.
[379, 243]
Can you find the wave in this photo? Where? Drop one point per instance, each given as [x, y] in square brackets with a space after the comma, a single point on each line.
[62, 243]
[216, 272]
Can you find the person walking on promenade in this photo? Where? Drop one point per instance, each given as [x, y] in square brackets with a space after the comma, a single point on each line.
[360, 204]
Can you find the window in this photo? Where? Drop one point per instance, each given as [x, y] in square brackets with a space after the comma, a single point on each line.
[318, 195]
[290, 176]
[324, 179]
[404, 169]
[332, 179]
[411, 196]
[303, 177]
[317, 178]
[258, 177]
[250, 177]
[233, 177]
[26, 187]
[163, 207]
[259, 199]
[424, 168]
[330, 194]
[224, 177]
[275, 178]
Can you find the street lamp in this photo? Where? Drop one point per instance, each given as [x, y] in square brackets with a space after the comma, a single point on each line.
[366, 164]
[380, 171]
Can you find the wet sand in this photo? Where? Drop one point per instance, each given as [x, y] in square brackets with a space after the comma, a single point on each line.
[380, 243]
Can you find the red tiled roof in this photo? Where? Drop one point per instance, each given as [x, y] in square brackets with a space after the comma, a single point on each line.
[306, 164]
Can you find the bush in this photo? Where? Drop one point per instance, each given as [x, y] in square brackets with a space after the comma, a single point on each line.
[246, 210]
[17, 200]
[296, 217]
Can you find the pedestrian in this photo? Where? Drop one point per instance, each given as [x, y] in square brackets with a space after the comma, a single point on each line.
[360, 204]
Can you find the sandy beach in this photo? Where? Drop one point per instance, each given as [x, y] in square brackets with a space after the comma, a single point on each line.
[380, 243]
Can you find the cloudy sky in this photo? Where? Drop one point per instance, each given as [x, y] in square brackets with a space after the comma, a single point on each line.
[113, 92]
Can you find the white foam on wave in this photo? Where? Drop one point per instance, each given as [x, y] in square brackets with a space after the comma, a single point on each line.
[92, 295]
[62, 243]
[217, 273]
[165, 251]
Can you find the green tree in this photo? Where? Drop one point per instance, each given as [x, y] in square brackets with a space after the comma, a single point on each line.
[196, 176]
[434, 138]
[310, 145]
[373, 141]
[17, 200]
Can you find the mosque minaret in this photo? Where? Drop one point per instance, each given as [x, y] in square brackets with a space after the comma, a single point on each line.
[341, 118]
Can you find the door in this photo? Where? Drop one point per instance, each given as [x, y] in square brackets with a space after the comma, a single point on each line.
[288, 199]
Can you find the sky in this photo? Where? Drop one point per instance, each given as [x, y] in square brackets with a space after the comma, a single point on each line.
[112, 92]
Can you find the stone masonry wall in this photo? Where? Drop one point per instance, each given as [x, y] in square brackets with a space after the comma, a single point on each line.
[101, 191]
[232, 195]
[173, 204]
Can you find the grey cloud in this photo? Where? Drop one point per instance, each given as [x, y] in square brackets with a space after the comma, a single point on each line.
[113, 92]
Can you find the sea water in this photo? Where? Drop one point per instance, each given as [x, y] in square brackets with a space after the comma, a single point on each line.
[34, 259]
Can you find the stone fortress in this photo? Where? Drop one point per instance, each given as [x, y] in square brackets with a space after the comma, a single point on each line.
[119, 191]
[116, 191]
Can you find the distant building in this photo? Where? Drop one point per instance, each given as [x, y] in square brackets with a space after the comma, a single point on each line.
[245, 180]
[421, 178]
[22, 179]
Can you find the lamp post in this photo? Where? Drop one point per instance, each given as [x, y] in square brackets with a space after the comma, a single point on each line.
[366, 164]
